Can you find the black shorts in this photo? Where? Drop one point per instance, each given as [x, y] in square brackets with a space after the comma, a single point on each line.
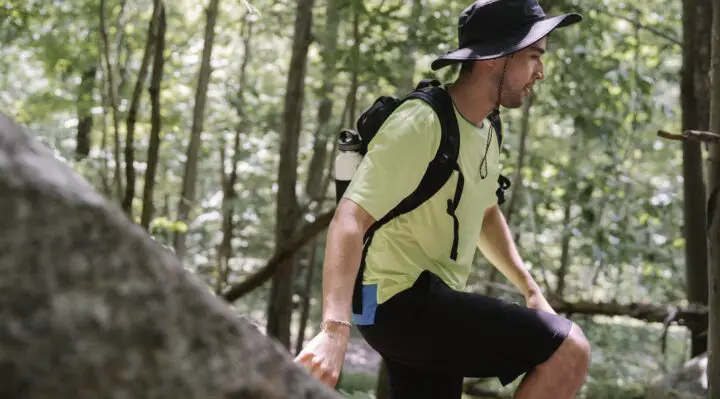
[431, 337]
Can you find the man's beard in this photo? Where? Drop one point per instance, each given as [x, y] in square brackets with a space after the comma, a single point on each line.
[512, 98]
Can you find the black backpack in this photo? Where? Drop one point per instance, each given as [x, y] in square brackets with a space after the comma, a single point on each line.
[436, 175]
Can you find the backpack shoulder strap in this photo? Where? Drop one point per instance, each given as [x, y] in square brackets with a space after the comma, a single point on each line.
[445, 161]
[436, 175]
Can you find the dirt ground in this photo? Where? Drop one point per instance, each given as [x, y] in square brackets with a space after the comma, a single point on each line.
[360, 357]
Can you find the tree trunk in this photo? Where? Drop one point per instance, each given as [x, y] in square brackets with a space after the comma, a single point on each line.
[156, 121]
[314, 187]
[121, 65]
[228, 182]
[112, 99]
[133, 110]
[187, 196]
[97, 309]
[569, 197]
[287, 215]
[84, 114]
[307, 294]
[565, 246]
[355, 57]
[228, 212]
[318, 174]
[695, 100]
[103, 171]
[714, 222]
[512, 202]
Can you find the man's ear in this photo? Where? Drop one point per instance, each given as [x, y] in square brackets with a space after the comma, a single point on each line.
[492, 65]
[487, 65]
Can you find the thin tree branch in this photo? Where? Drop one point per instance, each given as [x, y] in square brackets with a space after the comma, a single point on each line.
[304, 236]
[691, 135]
[638, 25]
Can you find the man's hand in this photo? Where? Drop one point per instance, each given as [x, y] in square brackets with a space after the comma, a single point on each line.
[536, 300]
[323, 356]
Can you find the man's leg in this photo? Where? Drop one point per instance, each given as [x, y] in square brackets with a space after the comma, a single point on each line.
[477, 336]
[561, 376]
[410, 382]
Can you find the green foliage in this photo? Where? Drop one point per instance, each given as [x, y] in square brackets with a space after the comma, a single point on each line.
[591, 145]
[164, 224]
[357, 385]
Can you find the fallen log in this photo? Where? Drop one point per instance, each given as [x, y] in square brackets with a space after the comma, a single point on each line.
[92, 307]
[642, 311]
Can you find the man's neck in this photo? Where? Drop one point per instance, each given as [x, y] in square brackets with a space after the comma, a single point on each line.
[471, 99]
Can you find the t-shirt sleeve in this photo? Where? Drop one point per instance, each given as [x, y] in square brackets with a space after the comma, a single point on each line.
[397, 158]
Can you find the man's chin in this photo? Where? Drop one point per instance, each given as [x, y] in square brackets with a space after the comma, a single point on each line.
[515, 103]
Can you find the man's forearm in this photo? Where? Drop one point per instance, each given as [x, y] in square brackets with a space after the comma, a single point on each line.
[342, 260]
[497, 244]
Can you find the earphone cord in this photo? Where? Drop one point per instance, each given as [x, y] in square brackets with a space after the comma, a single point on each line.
[495, 124]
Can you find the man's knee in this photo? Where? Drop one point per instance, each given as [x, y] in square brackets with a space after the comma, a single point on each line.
[576, 350]
[580, 346]
[573, 354]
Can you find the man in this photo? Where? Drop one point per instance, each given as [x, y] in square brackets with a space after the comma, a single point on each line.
[430, 333]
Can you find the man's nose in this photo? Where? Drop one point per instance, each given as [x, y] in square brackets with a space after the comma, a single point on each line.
[540, 74]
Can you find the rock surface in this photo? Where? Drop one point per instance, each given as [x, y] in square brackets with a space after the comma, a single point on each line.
[92, 307]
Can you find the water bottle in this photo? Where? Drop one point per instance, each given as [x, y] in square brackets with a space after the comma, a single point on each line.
[347, 160]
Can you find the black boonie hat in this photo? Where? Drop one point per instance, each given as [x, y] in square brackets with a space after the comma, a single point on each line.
[490, 29]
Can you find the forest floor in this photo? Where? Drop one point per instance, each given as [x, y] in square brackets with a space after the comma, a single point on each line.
[361, 358]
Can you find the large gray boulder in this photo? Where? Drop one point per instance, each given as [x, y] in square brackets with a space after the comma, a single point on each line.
[688, 382]
[91, 307]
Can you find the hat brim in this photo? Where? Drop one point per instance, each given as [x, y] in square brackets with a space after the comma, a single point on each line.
[504, 47]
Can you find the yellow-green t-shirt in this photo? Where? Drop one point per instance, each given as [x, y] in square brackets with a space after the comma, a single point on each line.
[396, 160]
